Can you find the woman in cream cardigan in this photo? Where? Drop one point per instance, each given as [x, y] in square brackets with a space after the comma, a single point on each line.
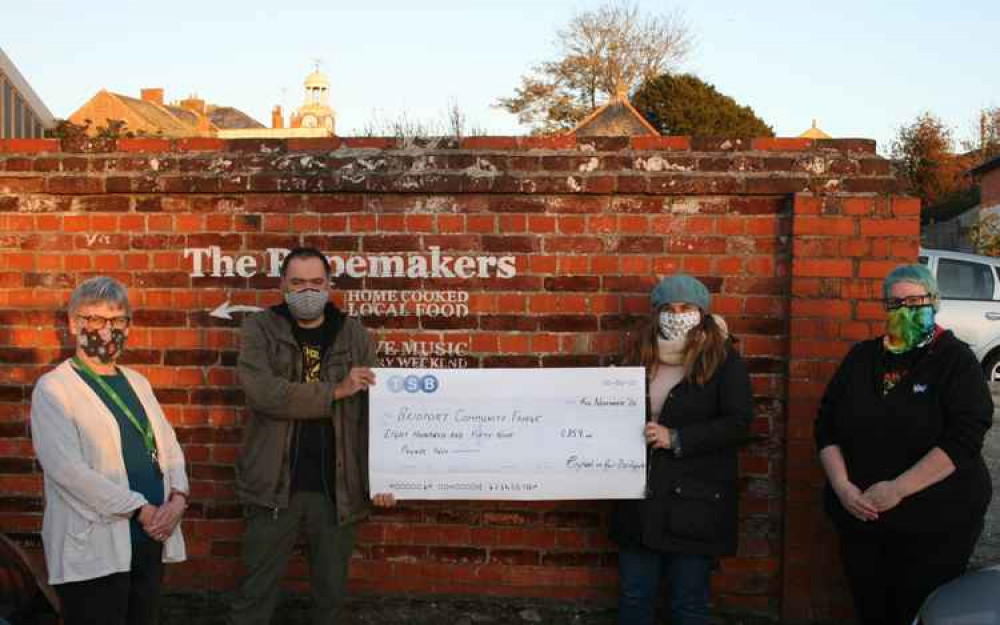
[115, 485]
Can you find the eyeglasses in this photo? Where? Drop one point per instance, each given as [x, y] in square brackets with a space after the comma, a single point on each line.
[911, 301]
[97, 322]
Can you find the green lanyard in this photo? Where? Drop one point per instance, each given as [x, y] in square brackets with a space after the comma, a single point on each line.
[146, 431]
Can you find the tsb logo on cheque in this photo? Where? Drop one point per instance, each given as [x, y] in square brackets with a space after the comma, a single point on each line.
[413, 383]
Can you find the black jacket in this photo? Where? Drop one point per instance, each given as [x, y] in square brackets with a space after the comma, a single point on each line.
[692, 497]
[943, 401]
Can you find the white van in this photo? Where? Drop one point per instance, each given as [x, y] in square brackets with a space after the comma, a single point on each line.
[970, 301]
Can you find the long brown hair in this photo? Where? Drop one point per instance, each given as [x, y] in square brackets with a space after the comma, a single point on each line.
[704, 349]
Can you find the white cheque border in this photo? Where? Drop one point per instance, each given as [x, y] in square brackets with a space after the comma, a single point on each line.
[508, 434]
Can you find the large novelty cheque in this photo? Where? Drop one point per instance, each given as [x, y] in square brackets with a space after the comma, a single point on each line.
[508, 433]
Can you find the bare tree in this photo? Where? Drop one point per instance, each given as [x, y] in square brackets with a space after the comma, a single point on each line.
[458, 122]
[601, 53]
[454, 123]
[401, 126]
[985, 136]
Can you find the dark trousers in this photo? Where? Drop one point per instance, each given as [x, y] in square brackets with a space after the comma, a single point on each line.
[687, 579]
[267, 546]
[891, 573]
[131, 598]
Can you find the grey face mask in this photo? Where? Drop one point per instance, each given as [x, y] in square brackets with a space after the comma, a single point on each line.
[307, 304]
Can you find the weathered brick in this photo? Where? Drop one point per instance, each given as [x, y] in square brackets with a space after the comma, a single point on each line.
[827, 226]
[890, 227]
[26, 146]
[144, 145]
[661, 143]
[823, 268]
[11, 184]
[780, 144]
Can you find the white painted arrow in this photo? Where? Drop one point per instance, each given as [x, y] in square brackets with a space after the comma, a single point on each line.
[224, 311]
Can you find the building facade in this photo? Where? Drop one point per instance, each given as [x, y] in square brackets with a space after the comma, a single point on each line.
[988, 176]
[23, 115]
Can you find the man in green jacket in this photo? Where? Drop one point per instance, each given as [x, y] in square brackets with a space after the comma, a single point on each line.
[305, 368]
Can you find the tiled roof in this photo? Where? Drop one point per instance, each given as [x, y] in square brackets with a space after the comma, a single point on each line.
[986, 167]
[170, 121]
[617, 118]
[227, 117]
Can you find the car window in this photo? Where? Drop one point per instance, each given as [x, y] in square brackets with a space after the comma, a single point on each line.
[922, 260]
[959, 279]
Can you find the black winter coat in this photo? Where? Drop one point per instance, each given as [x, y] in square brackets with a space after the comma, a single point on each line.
[942, 402]
[692, 497]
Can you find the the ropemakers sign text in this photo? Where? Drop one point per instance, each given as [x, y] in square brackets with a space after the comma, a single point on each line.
[210, 261]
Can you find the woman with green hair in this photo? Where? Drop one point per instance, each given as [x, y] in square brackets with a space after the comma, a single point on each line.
[900, 431]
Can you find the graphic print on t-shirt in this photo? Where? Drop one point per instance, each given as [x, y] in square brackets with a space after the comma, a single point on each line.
[311, 361]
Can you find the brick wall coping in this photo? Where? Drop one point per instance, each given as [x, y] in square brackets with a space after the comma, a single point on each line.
[511, 143]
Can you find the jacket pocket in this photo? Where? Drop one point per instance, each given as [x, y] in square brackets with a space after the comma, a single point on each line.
[336, 364]
[695, 510]
[79, 543]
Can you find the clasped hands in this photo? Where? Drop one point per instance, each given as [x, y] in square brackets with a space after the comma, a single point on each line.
[357, 379]
[867, 505]
[160, 521]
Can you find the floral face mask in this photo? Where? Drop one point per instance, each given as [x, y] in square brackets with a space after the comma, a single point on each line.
[674, 326]
[104, 350]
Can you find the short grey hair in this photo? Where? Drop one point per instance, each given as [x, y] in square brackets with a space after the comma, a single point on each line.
[100, 290]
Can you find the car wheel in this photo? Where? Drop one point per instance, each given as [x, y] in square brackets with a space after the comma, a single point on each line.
[991, 367]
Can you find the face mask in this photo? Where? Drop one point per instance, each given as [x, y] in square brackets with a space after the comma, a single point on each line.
[909, 328]
[674, 326]
[307, 304]
[105, 351]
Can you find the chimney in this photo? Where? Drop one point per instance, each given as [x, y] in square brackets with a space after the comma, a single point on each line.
[153, 95]
[277, 119]
[194, 104]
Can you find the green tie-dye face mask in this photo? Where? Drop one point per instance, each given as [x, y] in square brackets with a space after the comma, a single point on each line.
[909, 328]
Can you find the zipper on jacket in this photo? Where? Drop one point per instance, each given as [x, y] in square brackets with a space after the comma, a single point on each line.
[330, 468]
[294, 451]
[325, 467]
[649, 451]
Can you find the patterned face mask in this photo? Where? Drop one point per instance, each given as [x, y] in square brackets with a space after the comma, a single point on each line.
[106, 351]
[674, 326]
[307, 304]
[909, 328]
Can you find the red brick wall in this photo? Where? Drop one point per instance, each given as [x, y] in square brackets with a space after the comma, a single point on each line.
[842, 247]
[791, 236]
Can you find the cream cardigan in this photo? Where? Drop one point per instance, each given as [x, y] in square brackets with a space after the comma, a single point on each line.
[85, 529]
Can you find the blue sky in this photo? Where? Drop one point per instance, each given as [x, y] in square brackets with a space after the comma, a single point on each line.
[860, 68]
